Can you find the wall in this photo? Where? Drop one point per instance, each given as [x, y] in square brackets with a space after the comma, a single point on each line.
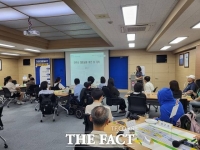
[9, 68]
[182, 72]
[197, 72]
[25, 70]
[160, 73]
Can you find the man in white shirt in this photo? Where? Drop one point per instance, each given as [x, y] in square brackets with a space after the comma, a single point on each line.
[97, 95]
[148, 85]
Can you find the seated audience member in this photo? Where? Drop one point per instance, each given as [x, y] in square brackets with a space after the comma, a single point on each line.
[115, 94]
[44, 88]
[29, 77]
[191, 87]
[103, 83]
[148, 86]
[78, 88]
[15, 91]
[31, 82]
[174, 86]
[196, 101]
[58, 83]
[167, 102]
[97, 95]
[100, 118]
[91, 80]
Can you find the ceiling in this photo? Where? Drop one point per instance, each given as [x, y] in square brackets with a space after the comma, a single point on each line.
[72, 25]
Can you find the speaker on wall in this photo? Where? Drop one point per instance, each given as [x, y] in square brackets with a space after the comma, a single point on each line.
[26, 62]
[161, 58]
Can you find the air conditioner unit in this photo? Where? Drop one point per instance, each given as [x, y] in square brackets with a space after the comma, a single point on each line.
[137, 28]
[31, 33]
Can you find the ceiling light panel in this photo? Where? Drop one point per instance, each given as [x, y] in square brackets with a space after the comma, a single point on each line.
[78, 32]
[10, 54]
[49, 34]
[177, 40]
[11, 14]
[25, 2]
[131, 37]
[46, 10]
[72, 27]
[5, 45]
[197, 26]
[165, 48]
[85, 36]
[31, 50]
[131, 44]
[69, 19]
[129, 14]
[21, 23]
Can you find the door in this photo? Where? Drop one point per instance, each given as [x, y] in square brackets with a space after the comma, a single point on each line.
[118, 70]
[59, 70]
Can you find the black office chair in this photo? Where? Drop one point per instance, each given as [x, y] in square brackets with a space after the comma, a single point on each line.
[54, 88]
[137, 105]
[88, 124]
[184, 102]
[155, 89]
[30, 92]
[87, 147]
[7, 96]
[1, 127]
[37, 90]
[112, 101]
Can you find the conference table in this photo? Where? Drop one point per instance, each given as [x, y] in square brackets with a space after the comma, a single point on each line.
[113, 127]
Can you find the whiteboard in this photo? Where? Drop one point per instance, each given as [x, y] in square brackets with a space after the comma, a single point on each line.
[143, 70]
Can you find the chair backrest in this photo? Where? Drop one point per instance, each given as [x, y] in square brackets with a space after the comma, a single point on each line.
[47, 97]
[32, 88]
[155, 89]
[87, 147]
[184, 102]
[106, 91]
[7, 93]
[88, 124]
[137, 104]
[109, 100]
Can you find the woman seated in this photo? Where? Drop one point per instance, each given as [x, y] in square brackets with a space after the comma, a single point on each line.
[167, 102]
[103, 83]
[15, 91]
[174, 86]
[58, 84]
[115, 94]
[196, 101]
[44, 88]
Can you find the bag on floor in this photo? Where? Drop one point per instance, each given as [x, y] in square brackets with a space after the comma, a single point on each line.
[188, 122]
[46, 106]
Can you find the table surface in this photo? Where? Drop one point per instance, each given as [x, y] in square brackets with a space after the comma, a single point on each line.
[153, 96]
[61, 93]
[114, 127]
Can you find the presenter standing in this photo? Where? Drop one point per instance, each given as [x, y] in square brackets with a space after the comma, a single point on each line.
[138, 74]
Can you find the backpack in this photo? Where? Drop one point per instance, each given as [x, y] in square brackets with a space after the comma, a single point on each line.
[188, 122]
[46, 105]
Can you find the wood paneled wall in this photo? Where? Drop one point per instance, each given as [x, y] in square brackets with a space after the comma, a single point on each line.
[182, 72]
[9, 68]
[160, 73]
[197, 67]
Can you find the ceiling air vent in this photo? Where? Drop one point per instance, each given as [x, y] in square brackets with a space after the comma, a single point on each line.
[137, 28]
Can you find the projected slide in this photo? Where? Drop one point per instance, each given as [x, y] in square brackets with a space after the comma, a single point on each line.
[87, 64]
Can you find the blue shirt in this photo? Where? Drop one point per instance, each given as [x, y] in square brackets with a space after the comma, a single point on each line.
[77, 90]
[101, 85]
[190, 86]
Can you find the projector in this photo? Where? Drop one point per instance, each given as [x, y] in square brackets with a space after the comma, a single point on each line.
[31, 33]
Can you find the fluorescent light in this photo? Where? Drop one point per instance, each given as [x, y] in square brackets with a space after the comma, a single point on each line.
[130, 14]
[197, 26]
[32, 50]
[10, 54]
[165, 48]
[177, 40]
[131, 37]
[6, 45]
[131, 44]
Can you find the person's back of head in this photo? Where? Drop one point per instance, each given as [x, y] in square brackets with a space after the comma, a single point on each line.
[91, 79]
[87, 85]
[102, 80]
[76, 81]
[6, 79]
[44, 85]
[57, 80]
[138, 87]
[174, 86]
[100, 116]
[110, 82]
[32, 79]
[165, 95]
[147, 78]
[97, 94]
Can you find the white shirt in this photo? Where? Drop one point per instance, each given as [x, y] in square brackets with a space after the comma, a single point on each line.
[93, 86]
[11, 87]
[101, 85]
[89, 108]
[46, 92]
[148, 87]
[59, 85]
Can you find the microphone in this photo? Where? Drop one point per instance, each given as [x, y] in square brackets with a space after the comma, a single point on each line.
[178, 143]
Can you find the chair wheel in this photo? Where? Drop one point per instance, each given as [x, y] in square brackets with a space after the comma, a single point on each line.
[71, 111]
[5, 146]
[53, 120]
[41, 121]
[79, 113]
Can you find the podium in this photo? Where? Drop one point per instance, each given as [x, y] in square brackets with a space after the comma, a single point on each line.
[132, 81]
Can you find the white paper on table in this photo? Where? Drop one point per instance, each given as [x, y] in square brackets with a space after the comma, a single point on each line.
[174, 110]
[130, 124]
